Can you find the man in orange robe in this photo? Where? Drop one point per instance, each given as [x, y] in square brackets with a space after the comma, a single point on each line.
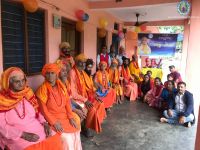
[79, 88]
[114, 76]
[130, 88]
[56, 108]
[107, 94]
[22, 126]
[134, 69]
[65, 53]
[64, 76]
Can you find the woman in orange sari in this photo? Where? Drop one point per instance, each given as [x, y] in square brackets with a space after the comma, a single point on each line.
[115, 80]
[107, 94]
[130, 88]
[56, 108]
[22, 126]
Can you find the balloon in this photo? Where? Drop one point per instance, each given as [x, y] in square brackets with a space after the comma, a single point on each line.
[102, 33]
[103, 23]
[85, 17]
[80, 26]
[80, 14]
[30, 5]
[137, 29]
[143, 28]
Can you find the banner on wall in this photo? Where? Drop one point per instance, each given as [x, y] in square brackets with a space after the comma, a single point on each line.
[156, 44]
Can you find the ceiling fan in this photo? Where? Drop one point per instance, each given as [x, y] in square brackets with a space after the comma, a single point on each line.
[137, 24]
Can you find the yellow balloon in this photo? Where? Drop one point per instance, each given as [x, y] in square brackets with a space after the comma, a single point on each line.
[103, 23]
[80, 26]
[137, 29]
[102, 33]
[30, 5]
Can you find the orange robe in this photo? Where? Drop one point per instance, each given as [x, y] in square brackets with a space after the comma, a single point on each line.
[103, 80]
[55, 105]
[135, 70]
[82, 89]
[114, 79]
[130, 88]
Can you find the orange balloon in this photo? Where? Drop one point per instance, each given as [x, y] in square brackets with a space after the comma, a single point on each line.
[30, 5]
[102, 33]
[80, 26]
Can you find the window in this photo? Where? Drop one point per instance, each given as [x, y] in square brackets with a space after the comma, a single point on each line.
[69, 34]
[23, 38]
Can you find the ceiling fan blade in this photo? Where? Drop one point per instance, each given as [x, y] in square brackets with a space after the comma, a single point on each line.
[141, 23]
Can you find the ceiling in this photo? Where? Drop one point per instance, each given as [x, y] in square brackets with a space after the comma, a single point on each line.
[158, 12]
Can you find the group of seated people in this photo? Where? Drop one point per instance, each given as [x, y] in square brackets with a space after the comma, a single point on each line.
[72, 100]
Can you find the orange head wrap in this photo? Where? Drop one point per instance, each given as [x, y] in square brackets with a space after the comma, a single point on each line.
[50, 68]
[7, 74]
[8, 98]
[102, 63]
[81, 57]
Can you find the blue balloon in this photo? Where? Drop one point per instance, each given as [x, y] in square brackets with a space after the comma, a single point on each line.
[85, 17]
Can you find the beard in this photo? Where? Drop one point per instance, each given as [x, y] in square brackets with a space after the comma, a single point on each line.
[89, 72]
[125, 65]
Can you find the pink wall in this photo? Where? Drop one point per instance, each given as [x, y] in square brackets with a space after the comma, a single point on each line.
[53, 36]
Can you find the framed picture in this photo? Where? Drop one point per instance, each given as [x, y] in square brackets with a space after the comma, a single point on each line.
[56, 21]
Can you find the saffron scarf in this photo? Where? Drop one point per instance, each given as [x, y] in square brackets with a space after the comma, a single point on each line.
[81, 86]
[103, 78]
[8, 98]
[126, 73]
[45, 88]
[114, 75]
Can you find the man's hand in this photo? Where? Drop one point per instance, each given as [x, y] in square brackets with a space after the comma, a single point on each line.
[73, 123]
[170, 113]
[47, 129]
[181, 119]
[58, 127]
[31, 137]
[88, 104]
[80, 113]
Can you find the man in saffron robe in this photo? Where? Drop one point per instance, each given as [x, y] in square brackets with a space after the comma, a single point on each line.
[114, 76]
[107, 94]
[56, 108]
[65, 53]
[64, 76]
[82, 93]
[130, 88]
[22, 126]
[134, 69]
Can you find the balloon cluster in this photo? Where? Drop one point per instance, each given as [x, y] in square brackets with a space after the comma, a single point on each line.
[30, 5]
[82, 17]
[103, 23]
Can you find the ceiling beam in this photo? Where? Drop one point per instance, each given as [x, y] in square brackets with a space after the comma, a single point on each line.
[127, 3]
[160, 23]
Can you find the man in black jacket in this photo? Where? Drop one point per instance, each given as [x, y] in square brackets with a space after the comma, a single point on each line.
[181, 107]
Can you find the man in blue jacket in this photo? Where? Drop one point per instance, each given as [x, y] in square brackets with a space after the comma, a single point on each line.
[181, 108]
